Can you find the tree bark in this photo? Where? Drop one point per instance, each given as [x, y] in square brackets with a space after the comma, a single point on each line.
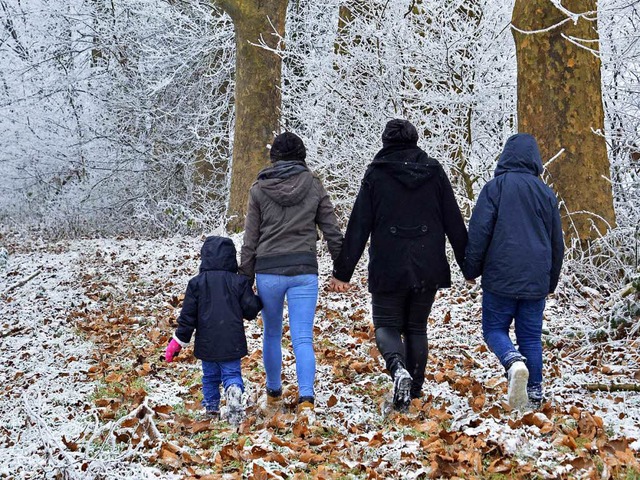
[560, 103]
[257, 95]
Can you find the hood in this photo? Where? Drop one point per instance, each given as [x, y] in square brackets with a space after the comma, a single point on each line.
[218, 253]
[286, 182]
[520, 154]
[409, 165]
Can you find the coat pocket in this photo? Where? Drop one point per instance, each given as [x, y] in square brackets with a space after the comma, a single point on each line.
[408, 232]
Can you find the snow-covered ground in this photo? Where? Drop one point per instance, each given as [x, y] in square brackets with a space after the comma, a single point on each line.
[86, 394]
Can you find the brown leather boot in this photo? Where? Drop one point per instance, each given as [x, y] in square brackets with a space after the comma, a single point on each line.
[305, 404]
[274, 401]
[274, 397]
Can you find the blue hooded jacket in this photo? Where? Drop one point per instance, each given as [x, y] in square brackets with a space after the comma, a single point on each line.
[216, 301]
[515, 233]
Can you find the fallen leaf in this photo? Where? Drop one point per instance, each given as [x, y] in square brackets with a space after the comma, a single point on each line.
[310, 457]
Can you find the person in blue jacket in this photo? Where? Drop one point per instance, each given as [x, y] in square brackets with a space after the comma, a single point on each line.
[215, 303]
[515, 243]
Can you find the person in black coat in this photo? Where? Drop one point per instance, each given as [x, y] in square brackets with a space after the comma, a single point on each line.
[407, 206]
[515, 243]
[216, 301]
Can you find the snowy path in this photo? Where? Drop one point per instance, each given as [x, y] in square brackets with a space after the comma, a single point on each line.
[81, 345]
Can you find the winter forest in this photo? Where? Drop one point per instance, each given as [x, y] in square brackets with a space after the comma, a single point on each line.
[132, 129]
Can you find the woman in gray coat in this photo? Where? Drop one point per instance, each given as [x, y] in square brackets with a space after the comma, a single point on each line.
[287, 204]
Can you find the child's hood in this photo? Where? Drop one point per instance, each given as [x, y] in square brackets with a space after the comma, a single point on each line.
[218, 253]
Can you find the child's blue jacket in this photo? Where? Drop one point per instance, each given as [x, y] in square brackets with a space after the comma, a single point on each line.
[216, 301]
[515, 232]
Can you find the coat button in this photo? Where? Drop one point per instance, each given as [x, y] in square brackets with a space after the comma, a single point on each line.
[393, 230]
[423, 228]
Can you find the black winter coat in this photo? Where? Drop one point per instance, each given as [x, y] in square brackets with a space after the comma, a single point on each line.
[407, 205]
[515, 233]
[215, 303]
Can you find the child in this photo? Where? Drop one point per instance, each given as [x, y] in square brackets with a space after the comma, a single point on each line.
[515, 243]
[214, 305]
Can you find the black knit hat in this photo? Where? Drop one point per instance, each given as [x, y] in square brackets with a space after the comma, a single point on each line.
[287, 146]
[398, 131]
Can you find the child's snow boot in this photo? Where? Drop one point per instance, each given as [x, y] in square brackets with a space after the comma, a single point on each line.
[235, 412]
[212, 414]
[536, 398]
[211, 409]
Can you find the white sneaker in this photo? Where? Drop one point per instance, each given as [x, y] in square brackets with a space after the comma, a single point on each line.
[518, 375]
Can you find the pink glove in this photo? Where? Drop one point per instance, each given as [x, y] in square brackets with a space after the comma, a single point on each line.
[172, 350]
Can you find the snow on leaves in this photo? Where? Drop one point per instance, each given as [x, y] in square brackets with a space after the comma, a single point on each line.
[117, 410]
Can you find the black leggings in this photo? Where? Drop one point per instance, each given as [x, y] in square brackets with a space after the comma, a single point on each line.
[400, 321]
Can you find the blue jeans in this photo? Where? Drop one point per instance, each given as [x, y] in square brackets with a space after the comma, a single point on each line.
[216, 373]
[301, 292]
[497, 314]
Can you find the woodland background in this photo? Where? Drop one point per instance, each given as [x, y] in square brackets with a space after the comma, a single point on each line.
[118, 116]
[128, 128]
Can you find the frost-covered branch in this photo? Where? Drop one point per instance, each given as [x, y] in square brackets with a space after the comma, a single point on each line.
[122, 105]
[79, 459]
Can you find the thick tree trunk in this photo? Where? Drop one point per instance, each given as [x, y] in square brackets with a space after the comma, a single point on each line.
[257, 95]
[560, 103]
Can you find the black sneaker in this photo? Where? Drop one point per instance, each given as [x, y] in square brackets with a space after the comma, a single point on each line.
[401, 390]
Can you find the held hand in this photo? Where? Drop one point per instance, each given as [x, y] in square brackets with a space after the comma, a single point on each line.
[336, 285]
[172, 350]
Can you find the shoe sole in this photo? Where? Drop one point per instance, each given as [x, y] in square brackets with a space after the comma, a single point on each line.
[517, 394]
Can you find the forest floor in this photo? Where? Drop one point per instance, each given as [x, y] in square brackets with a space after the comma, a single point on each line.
[87, 393]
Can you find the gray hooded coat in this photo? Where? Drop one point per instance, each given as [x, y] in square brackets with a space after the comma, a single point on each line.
[287, 204]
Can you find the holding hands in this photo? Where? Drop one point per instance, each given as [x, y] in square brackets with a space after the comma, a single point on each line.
[339, 286]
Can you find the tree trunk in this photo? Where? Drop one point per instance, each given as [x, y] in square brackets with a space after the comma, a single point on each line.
[257, 95]
[560, 103]
[345, 16]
